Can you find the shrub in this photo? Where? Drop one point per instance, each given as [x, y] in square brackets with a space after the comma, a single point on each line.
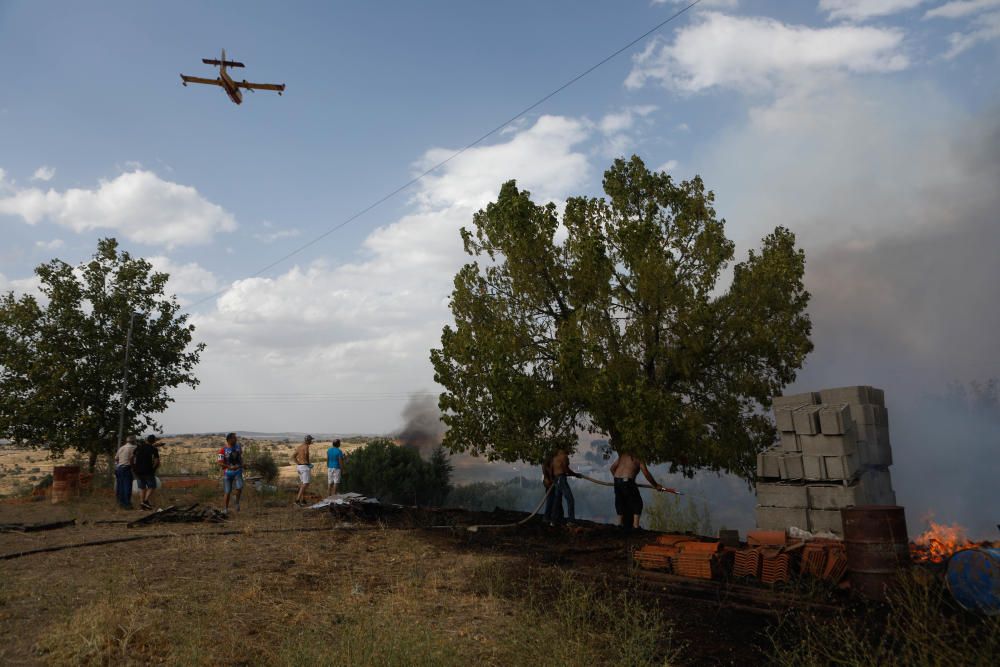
[260, 460]
[398, 474]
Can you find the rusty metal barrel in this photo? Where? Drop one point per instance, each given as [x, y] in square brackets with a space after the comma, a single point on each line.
[878, 547]
[65, 483]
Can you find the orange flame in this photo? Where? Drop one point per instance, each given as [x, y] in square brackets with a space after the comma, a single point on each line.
[939, 542]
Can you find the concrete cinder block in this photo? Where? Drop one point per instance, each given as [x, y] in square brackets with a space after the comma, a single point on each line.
[806, 420]
[782, 495]
[835, 496]
[878, 453]
[828, 445]
[869, 414]
[795, 400]
[841, 467]
[767, 465]
[813, 467]
[826, 521]
[876, 485]
[790, 442]
[858, 394]
[783, 417]
[877, 396]
[835, 419]
[790, 466]
[782, 518]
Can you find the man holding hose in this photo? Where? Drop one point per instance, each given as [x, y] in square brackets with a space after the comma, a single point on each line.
[628, 501]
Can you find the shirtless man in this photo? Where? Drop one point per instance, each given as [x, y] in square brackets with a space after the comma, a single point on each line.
[558, 471]
[628, 502]
[303, 467]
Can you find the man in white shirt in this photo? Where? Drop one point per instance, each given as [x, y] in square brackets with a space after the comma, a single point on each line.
[123, 472]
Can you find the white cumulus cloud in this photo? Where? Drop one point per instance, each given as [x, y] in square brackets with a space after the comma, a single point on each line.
[960, 8]
[985, 28]
[756, 54]
[861, 10]
[43, 173]
[369, 324]
[54, 244]
[138, 205]
[190, 278]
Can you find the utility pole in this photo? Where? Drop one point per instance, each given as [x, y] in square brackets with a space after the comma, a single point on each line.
[121, 410]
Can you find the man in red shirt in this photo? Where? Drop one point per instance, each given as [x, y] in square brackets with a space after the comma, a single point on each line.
[231, 461]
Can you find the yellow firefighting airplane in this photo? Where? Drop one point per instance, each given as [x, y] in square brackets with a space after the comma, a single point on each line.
[231, 87]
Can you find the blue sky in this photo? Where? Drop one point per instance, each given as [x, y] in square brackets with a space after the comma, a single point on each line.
[869, 127]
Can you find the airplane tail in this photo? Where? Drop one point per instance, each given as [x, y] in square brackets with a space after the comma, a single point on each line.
[223, 62]
[227, 63]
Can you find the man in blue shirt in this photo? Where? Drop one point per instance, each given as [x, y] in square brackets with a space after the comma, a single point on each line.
[335, 458]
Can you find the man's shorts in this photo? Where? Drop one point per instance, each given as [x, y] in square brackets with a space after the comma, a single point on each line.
[305, 474]
[333, 475]
[146, 481]
[229, 482]
[627, 497]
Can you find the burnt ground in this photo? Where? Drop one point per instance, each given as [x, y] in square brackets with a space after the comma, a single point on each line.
[281, 559]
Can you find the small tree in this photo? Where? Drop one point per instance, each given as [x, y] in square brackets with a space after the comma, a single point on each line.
[398, 474]
[620, 328]
[61, 359]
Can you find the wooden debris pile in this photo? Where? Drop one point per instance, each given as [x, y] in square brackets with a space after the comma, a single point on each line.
[174, 514]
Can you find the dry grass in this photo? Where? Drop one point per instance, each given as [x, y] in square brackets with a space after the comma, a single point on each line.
[338, 597]
[920, 626]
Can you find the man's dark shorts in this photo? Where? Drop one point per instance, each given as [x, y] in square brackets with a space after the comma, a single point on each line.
[146, 481]
[627, 498]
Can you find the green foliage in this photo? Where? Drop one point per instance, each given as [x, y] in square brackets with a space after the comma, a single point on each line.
[398, 474]
[621, 328]
[61, 361]
[260, 461]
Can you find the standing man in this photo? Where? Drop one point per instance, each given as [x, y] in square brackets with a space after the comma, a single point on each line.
[145, 461]
[303, 467]
[231, 461]
[628, 501]
[123, 473]
[560, 473]
[335, 458]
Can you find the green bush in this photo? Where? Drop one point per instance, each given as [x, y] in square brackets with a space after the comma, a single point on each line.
[398, 474]
[260, 461]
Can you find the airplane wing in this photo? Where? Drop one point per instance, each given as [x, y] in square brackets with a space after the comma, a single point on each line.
[197, 79]
[280, 87]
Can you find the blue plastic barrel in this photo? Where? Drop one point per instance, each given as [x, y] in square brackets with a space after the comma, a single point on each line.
[974, 579]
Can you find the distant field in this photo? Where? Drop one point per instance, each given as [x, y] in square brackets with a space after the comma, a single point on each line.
[21, 469]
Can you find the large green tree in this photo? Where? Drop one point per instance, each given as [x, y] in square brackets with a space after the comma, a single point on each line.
[615, 321]
[61, 357]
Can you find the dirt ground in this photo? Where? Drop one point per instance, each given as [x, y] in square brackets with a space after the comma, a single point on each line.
[173, 597]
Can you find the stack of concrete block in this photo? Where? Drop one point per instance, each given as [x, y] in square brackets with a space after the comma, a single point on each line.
[834, 452]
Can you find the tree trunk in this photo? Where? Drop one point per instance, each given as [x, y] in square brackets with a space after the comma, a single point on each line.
[93, 460]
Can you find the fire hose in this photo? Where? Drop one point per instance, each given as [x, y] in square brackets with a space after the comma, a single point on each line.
[641, 486]
[541, 502]
[473, 529]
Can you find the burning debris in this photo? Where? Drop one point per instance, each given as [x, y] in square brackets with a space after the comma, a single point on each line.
[939, 542]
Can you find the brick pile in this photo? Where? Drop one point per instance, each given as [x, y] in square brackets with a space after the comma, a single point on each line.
[769, 556]
[834, 452]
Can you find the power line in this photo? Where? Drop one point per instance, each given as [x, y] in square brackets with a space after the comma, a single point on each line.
[454, 155]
